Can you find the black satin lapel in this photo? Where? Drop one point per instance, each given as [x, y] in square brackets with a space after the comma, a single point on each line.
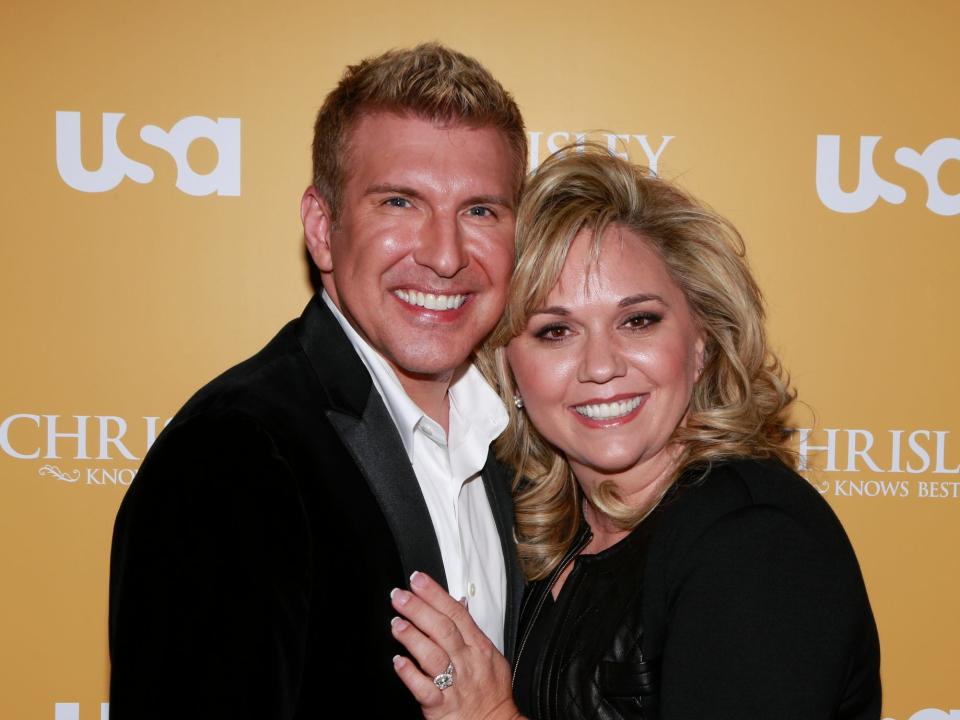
[339, 369]
[497, 482]
[375, 445]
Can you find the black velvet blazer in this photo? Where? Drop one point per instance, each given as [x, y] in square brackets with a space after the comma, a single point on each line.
[254, 552]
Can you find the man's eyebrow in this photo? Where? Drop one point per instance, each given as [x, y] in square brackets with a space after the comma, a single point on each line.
[641, 298]
[490, 200]
[390, 189]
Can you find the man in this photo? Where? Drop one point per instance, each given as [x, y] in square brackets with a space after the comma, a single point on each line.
[254, 553]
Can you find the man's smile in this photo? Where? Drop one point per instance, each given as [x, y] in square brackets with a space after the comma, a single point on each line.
[430, 301]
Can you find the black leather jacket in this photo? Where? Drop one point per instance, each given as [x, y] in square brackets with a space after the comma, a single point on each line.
[738, 597]
[594, 666]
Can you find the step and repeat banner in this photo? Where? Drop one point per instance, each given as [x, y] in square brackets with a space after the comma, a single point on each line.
[153, 160]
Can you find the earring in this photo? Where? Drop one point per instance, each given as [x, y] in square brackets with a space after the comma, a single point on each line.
[518, 401]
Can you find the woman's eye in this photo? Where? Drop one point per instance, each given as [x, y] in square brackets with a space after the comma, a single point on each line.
[641, 321]
[553, 332]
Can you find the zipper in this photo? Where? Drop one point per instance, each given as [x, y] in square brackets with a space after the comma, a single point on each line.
[570, 555]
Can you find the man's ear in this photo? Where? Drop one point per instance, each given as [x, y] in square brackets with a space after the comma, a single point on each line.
[315, 214]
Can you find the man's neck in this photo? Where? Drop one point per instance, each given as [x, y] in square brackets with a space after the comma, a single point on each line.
[431, 392]
[427, 391]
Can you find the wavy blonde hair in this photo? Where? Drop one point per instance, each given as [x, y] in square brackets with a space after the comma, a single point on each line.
[739, 403]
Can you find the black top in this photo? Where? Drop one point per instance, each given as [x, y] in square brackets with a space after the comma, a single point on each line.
[525, 676]
[739, 597]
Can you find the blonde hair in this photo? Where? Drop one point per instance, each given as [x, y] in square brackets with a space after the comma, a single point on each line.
[428, 81]
[739, 403]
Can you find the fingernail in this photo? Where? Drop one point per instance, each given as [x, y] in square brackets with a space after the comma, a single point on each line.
[399, 624]
[399, 662]
[463, 601]
[418, 580]
[399, 597]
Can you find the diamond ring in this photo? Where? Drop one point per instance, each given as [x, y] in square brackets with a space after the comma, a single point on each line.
[445, 679]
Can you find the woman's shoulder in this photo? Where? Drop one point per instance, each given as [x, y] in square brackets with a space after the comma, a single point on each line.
[722, 486]
[756, 530]
[730, 485]
[740, 495]
[745, 559]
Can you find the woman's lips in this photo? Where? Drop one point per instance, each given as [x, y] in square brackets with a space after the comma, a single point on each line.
[613, 411]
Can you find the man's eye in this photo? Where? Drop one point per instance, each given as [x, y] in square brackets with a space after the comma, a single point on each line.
[481, 211]
[399, 202]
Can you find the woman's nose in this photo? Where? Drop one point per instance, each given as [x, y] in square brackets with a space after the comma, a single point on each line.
[601, 361]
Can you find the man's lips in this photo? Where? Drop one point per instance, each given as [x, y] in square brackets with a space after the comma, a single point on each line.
[431, 301]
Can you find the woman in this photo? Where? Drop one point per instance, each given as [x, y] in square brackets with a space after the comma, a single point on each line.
[679, 567]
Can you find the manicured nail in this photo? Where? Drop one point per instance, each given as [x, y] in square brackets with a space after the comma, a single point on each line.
[399, 624]
[418, 580]
[399, 662]
[399, 597]
[463, 601]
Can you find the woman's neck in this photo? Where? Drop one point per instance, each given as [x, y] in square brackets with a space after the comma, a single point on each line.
[640, 488]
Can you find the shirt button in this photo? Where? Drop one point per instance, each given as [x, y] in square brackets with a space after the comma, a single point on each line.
[472, 589]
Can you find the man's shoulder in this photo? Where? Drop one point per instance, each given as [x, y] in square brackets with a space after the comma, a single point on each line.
[266, 414]
[306, 368]
[249, 386]
[237, 413]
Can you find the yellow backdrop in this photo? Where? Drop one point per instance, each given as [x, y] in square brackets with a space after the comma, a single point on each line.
[143, 254]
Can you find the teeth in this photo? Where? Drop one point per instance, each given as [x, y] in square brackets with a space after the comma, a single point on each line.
[605, 411]
[431, 301]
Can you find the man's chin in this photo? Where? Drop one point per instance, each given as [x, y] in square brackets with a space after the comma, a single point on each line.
[425, 367]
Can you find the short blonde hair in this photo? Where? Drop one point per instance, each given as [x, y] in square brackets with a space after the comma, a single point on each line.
[428, 81]
[739, 403]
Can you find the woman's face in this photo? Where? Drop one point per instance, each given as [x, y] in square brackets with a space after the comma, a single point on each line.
[607, 368]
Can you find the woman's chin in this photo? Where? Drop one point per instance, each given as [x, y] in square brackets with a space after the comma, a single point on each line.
[612, 464]
[631, 467]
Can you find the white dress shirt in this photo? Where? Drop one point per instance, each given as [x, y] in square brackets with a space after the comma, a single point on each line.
[448, 470]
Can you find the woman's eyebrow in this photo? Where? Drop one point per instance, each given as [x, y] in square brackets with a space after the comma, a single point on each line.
[555, 310]
[626, 302]
[641, 298]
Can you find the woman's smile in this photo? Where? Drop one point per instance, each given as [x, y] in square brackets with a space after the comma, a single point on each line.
[604, 413]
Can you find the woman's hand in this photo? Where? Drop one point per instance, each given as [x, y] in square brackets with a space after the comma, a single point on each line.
[440, 632]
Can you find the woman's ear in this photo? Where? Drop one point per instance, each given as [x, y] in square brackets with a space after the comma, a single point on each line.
[701, 356]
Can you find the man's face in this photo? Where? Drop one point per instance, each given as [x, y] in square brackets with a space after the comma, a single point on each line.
[422, 252]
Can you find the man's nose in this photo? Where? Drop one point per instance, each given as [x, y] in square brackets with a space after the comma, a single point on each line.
[601, 360]
[440, 247]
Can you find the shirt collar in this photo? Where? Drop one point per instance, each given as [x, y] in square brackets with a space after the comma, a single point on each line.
[477, 417]
[477, 414]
